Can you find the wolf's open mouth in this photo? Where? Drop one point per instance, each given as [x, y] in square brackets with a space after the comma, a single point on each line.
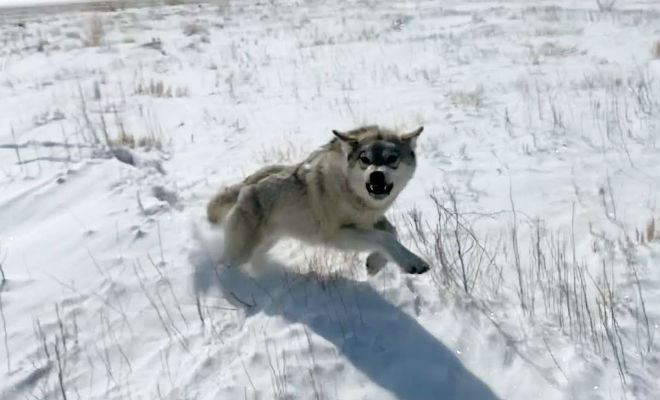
[379, 191]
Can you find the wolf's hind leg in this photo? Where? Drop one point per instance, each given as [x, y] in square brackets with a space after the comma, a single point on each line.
[376, 260]
[243, 228]
[221, 204]
[241, 238]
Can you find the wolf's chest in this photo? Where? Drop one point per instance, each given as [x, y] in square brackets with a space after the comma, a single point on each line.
[360, 218]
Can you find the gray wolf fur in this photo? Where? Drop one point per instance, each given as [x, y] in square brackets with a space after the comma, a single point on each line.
[338, 196]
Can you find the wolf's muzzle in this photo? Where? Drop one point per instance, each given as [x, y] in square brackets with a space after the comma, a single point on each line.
[377, 185]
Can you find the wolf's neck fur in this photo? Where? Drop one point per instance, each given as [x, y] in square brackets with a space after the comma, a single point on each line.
[332, 201]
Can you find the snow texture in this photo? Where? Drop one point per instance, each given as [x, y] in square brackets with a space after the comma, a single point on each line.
[535, 200]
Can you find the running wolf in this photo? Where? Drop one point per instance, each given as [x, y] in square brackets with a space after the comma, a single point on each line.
[337, 197]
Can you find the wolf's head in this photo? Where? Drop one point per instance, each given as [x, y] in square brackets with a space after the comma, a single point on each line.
[380, 162]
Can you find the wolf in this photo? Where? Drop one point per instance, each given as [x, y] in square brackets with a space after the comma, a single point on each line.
[337, 197]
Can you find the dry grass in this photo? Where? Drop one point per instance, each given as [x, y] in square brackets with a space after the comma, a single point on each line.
[651, 232]
[582, 300]
[194, 28]
[327, 265]
[289, 152]
[551, 49]
[129, 140]
[605, 5]
[656, 50]
[151, 140]
[94, 31]
[157, 88]
[474, 98]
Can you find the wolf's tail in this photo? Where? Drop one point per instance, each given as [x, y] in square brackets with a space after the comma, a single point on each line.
[221, 204]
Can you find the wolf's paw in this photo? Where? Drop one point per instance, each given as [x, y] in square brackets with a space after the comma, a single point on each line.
[415, 266]
[375, 262]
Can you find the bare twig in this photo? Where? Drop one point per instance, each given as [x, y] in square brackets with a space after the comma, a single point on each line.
[458, 244]
[60, 368]
[4, 328]
[516, 252]
[18, 154]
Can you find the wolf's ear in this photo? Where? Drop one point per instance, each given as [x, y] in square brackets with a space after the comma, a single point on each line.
[413, 134]
[345, 137]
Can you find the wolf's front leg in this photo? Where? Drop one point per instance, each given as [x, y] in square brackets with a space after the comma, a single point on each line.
[377, 260]
[383, 242]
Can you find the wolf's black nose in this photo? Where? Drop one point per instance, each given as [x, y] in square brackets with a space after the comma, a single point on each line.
[377, 178]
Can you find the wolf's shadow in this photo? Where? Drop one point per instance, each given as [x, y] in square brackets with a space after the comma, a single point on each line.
[383, 342]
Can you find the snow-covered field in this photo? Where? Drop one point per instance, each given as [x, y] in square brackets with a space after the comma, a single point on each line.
[535, 199]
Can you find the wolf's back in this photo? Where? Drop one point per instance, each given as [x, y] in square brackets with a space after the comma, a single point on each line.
[220, 205]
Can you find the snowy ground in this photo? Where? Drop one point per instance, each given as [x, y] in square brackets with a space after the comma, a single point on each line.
[539, 160]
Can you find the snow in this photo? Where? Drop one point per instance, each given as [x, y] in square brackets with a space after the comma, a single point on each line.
[541, 123]
[71, 4]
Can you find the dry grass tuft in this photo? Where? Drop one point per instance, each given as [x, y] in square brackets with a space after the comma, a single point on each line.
[289, 152]
[605, 5]
[327, 265]
[194, 28]
[94, 31]
[474, 98]
[157, 88]
[128, 140]
[152, 140]
[651, 233]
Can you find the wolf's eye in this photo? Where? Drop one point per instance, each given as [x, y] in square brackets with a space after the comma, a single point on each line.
[364, 159]
[392, 159]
